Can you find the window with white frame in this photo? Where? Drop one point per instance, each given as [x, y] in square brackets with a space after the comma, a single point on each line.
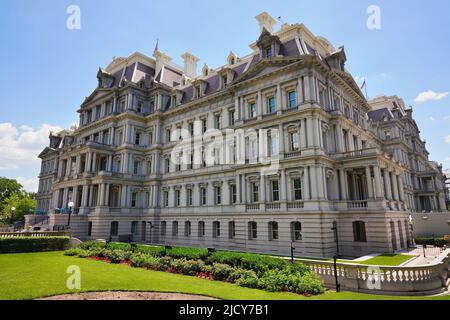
[177, 198]
[201, 229]
[252, 110]
[218, 194]
[217, 121]
[254, 192]
[189, 197]
[296, 231]
[292, 99]
[134, 199]
[252, 230]
[203, 196]
[273, 231]
[216, 229]
[275, 186]
[233, 193]
[294, 140]
[297, 188]
[165, 198]
[271, 105]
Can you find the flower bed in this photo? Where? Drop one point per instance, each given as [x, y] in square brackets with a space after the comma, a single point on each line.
[244, 269]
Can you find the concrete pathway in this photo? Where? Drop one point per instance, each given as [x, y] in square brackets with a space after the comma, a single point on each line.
[432, 255]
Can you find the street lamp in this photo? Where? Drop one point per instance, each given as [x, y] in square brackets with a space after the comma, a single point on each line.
[70, 205]
[12, 216]
[335, 230]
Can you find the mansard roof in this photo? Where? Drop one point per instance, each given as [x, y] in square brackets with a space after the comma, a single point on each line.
[380, 114]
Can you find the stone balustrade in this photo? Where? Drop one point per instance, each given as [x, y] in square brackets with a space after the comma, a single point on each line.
[408, 280]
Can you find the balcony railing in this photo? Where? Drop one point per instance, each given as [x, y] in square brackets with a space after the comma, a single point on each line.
[292, 154]
[355, 154]
[295, 205]
[252, 206]
[357, 204]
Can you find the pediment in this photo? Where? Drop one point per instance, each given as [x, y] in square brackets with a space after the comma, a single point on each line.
[97, 94]
[265, 67]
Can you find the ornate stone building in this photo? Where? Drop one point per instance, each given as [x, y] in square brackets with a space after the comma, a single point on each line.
[423, 179]
[270, 149]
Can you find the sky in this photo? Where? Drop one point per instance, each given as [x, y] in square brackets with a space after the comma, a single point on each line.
[48, 69]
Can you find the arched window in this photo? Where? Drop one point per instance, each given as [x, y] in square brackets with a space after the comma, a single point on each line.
[273, 230]
[359, 231]
[296, 231]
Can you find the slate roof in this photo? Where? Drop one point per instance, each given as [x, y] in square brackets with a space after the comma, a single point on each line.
[378, 115]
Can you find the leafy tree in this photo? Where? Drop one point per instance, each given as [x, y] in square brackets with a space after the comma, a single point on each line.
[23, 204]
[8, 187]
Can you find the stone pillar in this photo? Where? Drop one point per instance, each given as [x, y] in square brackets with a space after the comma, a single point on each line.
[387, 185]
[401, 188]
[124, 196]
[259, 107]
[306, 180]
[238, 189]
[307, 86]
[310, 132]
[303, 144]
[313, 180]
[370, 194]
[283, 194]
[226, 196]
[395, 186]
[106, 201]
[281, 143]
[279, 100]
[94, 162]
[343, 186]
[377, 175]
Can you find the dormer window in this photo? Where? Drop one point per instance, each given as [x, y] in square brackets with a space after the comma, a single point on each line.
[224, 81]
[197, 91]
[173, 101]
[268, 52]
[139, 107]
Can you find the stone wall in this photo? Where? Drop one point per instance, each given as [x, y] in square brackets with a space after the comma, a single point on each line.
[428, 224]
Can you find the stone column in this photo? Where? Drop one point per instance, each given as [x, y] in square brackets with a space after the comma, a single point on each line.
[226, 197]
[306, 180]
[387, 185]
[106, 201]
[313, 180]
[395, 186]
[310, 132]
[369, 183]
[307, 86]
[281, 143]
[401, 188]
[283, 194]
[377, 175]
[303, 144]
[94, 162]
[343, 186]
[238, 188]
[259, 107]
[279, 100]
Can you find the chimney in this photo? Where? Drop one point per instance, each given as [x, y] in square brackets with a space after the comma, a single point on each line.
[266, 22]
[161, 59]
[190, 64]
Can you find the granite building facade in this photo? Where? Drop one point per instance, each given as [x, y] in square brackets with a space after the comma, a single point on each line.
[275, 148]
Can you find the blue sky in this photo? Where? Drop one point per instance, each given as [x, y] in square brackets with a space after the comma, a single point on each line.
[47, 70]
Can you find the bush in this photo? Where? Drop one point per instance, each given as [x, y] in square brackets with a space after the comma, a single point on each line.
[430, 241]
[188, 253]
[150, 250]
[249, 280]
[221, 271]
[37, 244]
[237, 274]
[141, 260]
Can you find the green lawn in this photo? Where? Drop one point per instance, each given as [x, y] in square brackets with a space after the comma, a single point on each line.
[388, 260]
[33, 275]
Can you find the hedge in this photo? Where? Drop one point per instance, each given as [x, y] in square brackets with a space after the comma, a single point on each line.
[430, 241]
[38, 244]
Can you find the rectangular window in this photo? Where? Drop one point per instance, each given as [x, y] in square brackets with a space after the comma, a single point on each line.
[217, 121]
[271, 105]
[231, 118]
[134, 197]
[296, 230]
[252, 110]
[292, 96]
[191, 129]
[252, 230]
[201, 229]
[114, 231]
[233, 191]
[216, 229]
[134, 227]
[189, 198]
[203, 196]
[168, 135]
[218, 195]
[273, 231]
[269, 52]
[137, 139]
[224, 81]
[187, 229]
[255, 192]
[136, 167]
[231, 230]
[175, 228]
[167, 165]
[297, 184]
[166, 198]
[294, 141]
[204, 125]
[163, 228]
[275, 190]
[177, 198]
[359, 231]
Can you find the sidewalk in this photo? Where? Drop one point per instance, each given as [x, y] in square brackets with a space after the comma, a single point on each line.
[431, 254]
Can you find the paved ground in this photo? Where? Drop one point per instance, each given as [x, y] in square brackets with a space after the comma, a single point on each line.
[110, 295]
[431, 254]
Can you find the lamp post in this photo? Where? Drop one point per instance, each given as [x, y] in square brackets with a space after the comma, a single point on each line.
[12, 216]
[70, 205]
[335, 230]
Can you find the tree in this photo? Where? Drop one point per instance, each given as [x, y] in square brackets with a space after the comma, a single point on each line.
[22, 203]
[7, 188]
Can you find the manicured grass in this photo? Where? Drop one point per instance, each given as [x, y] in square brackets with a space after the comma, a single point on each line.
[388, 260]
[34, 275]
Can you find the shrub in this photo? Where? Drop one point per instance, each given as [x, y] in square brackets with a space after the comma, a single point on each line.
[71, 252]
[91, 245]
[187, 253]
[141, 260]
[430, 241]
[153, 251]
[37, 244]
[221, 271]
[237, 274]
[249, 280]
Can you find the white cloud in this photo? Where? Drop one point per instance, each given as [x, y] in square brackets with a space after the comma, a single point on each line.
[430, 96]
[29, 184]
[432, 119]
[20, 146]
[447, 139]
